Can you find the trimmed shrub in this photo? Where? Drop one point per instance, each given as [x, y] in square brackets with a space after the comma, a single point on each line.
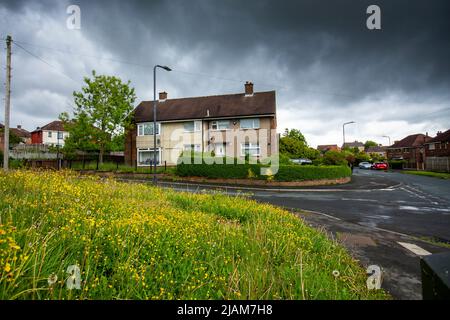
[244, 171]
[306, 172]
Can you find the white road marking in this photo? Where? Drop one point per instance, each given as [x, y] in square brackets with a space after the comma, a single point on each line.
[414, 249]
[321, 213]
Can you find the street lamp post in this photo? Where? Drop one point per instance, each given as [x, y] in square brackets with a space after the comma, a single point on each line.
[154, 118]
[57, 145]
[388, 138]
[343, 131]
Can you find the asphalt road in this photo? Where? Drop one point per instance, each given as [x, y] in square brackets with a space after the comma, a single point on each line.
[373, 217]
[413, 205]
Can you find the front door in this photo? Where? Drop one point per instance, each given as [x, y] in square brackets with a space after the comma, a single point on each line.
[219, 149]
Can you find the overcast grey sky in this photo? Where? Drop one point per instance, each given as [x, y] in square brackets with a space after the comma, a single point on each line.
[325, 65]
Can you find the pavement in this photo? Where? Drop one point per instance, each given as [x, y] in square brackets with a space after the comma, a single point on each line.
[387, 219]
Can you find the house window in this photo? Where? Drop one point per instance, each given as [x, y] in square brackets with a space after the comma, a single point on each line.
[146, 129]
[192, 126]
[220, 125]
[145, 157]
[60, 135]
[432, 146]
[192, 147]
[251, 149]
[49, 134]
[250, 123]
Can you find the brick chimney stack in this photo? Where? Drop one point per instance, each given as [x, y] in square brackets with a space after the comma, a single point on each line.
[248, 89]
[162, 96]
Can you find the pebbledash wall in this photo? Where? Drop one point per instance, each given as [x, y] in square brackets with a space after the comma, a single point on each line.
[231, 125]
[261, 142]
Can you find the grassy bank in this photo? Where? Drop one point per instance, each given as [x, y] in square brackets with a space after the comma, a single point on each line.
[140, 242]
[122, 168]
[440, 175]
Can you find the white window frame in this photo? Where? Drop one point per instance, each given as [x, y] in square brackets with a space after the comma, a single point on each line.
[217, 124]
[60, 135]
[197, 126]
[148, 150]
[49, 134]
[188, 147]
[432, 146]
[251, 146]
[141, 129]
[255, 123]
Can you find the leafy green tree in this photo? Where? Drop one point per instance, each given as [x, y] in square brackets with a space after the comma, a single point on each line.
[333, 157]
[101, 109]
[369, 144]
[118, 142]
[294, 134]
[293, 144]
[82, 135]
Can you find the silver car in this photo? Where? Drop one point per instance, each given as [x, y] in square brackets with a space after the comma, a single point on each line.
[365, 165]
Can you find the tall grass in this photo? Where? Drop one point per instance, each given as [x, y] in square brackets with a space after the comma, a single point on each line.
[140, 242]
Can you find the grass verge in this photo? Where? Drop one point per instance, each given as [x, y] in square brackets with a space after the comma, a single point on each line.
[141, 242]
[440, 175]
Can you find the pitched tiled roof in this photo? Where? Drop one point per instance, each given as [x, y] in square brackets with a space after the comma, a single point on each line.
[56, 125]
[442, 137]
[353, 144]
[230, 105]
[22, 133]
[411, 141]
[376, 149]
[327, 147]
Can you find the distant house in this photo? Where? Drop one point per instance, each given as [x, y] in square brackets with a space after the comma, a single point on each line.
[378, 150]
[327, 147]
[52, 134]
[355, 144]
[23, 134]
[437, 152]
[410, 149]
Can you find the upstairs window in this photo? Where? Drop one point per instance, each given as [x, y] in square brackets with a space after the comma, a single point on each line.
[146, 129]
[220, 125]
[60, 135]
[250, 123]
[49, 134]
[192, 126]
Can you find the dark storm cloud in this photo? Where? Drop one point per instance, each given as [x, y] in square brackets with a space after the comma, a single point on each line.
[318, 55]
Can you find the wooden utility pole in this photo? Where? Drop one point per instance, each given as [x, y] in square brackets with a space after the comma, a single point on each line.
[7, 103]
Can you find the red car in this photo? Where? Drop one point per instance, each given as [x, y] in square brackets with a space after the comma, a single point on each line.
[380, 166]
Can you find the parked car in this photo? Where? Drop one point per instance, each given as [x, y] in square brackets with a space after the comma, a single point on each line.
[380, 166]
[365, 165]
[301, 161]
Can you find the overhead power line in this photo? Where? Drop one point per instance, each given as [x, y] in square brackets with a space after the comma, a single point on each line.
[141, 65]
[47, 63]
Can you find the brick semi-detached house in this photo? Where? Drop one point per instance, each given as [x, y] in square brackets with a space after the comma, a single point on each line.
[410, 149]
[437, 152]
[226, 125]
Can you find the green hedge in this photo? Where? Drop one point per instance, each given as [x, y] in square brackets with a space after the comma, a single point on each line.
[300, 173]
[243, 171]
